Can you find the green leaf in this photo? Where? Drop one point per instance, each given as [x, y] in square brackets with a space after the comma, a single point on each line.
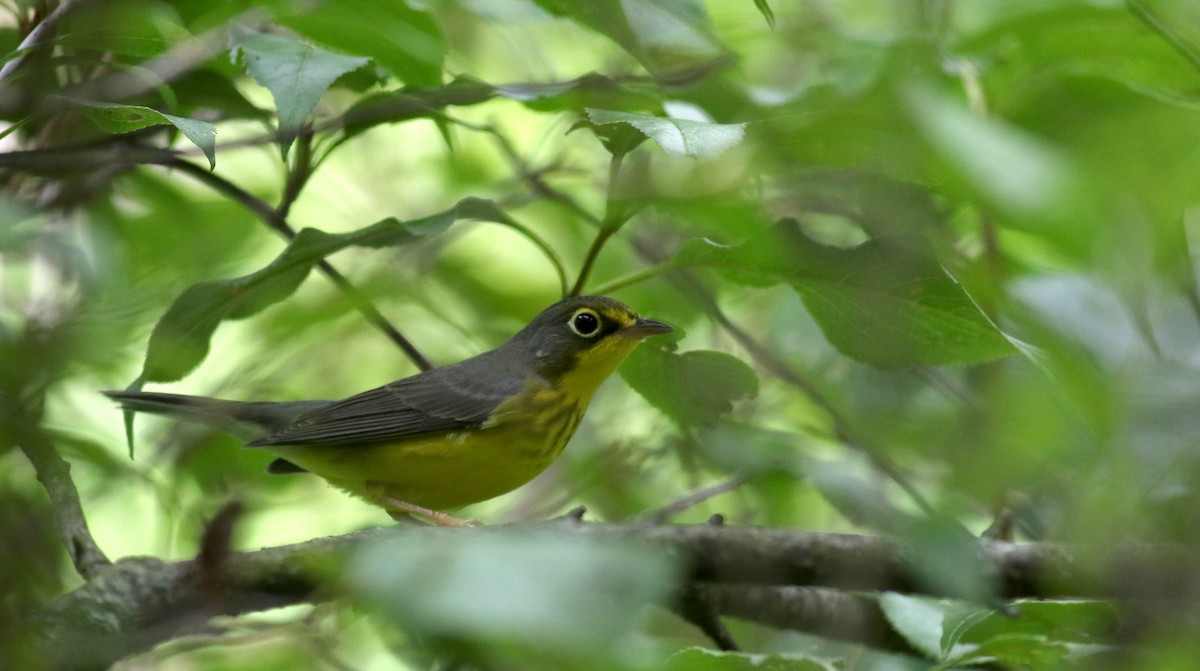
[1014, 170]
[918, 620]
[295, 73]
[681, 137]
[127, 415]
[180, 339]
[405, 41]
[1067, 621]
[1158, 57]
[548, 594]
[691, 388]
[1019, 651]
[887, 302]
[587, 91]
[120, 119]
[702, 659]
[404, 104]
[662, 34]
[1178, 22]
[765, 10]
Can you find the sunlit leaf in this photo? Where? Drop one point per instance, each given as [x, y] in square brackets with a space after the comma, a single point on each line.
[180, 339]
[120, 119]
[682, 137]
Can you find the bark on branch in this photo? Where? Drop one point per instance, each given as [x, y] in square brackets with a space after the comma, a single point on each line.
[139, 602]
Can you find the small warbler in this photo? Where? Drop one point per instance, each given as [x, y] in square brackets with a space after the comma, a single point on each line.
[447, 437]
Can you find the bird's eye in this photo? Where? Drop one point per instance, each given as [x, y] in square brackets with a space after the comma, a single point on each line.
[585, 323]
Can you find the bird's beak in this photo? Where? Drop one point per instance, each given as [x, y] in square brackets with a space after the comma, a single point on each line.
[644, 328]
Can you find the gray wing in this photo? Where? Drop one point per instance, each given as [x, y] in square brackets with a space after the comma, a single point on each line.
[437, 401]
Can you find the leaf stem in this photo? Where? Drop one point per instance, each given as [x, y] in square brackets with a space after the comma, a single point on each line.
[614, 218]
[301, 169]
[547, 251]
[647, 273]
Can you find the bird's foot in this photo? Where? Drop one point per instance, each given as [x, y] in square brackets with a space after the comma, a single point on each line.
[403, 511]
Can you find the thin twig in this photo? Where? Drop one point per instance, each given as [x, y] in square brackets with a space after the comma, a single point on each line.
[695, 498]
[269, 216]
[54, 473]
[698, 607]
[636, 277]
[37, 36]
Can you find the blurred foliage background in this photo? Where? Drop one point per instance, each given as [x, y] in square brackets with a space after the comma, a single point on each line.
[927, 260]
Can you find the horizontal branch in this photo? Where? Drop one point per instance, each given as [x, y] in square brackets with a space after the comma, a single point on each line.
[139, 602]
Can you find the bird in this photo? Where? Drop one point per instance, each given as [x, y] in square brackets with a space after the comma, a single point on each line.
[446, 437]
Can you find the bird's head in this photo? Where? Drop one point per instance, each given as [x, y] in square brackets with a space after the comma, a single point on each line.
[578, 342]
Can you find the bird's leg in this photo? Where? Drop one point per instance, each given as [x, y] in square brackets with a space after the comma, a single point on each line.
[403, 511]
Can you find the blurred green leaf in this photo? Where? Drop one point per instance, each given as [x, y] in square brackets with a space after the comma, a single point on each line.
[1159, 57]
[692, 388]
[681, 137]
[217, 92]
[764, 8]
[946, 558]
[661, 34]
[121, 119]
[560, 598]
[124, 30]
[587, 91]
[404, 40]
[701, 659]
[887, 302]
[1179, 23]
[295, 73]
[180, 339]
[1015, 171]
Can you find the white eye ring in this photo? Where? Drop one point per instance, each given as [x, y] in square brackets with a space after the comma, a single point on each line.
[590, 320]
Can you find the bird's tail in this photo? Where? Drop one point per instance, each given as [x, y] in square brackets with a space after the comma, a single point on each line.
[245, 419]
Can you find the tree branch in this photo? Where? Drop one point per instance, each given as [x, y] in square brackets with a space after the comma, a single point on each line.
[139, 602]
[54, 473]
[839, 616]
